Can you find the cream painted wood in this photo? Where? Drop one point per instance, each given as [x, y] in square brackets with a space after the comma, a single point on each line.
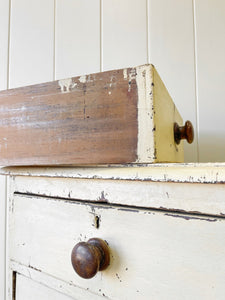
[77, 48]
[165, 115]
[31, 42]
[189, 173]
[156, 117]
[171, 50]
[162, 255]
[2, 235]
[124, 36]
[53, 283]
[210, 47]
[29, 289]
[195, 198]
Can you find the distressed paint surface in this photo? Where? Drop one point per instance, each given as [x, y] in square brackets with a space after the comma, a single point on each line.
[49, 281]
[189, 172]
[108, 117]
[203, 198]
[181, 245]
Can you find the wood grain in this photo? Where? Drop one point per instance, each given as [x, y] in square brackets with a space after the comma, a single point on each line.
[53, 123]
[120, 116]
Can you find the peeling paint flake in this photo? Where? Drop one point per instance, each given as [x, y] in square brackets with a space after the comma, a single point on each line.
[66, 84]
[132, 76]
[125, 74]
[83, 78]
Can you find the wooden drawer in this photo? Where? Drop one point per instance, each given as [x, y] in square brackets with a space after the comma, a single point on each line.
[154, 254]
[120, 116]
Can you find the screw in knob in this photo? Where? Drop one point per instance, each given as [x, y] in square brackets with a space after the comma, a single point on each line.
[184, 132]
[90, 257]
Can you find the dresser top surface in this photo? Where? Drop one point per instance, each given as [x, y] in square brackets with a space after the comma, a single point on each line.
[178, 172]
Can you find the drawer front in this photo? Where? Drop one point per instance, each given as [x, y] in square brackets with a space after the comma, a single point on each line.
[157, 255]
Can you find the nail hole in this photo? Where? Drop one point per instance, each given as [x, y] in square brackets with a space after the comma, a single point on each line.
[97, 222]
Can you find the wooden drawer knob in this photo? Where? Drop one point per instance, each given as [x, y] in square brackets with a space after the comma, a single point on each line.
[184, 132]
[90, 257]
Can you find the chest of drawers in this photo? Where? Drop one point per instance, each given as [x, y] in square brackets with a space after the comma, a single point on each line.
[164, 226]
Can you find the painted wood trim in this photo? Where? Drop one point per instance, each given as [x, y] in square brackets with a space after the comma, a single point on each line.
[191, 172]
[185, 197]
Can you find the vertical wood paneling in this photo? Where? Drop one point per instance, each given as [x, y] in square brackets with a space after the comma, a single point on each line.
[77, 37]
[31, 42]
[4, 33]
[210, 46]
[124, 36]
[171, 50]
[4, 25]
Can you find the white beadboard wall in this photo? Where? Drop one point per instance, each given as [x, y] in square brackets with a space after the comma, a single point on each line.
[51, 39]
[4, 29]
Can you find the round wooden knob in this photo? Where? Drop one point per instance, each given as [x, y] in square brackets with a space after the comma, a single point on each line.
[90, 257]
[184, 132]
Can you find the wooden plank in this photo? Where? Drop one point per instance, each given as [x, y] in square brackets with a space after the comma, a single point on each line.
[4, 36]
[29, 289]
[3, 201]
[31, 42]
[51, 282]
[145, 247]
[109, 117]
[77, 44]
[188, 172]
[210, 46]
[4, 41]
[124, 37]
[203, 199]
[171, 50]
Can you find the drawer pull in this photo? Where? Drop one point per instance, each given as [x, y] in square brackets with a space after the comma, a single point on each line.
[90, 257]
[184, 132]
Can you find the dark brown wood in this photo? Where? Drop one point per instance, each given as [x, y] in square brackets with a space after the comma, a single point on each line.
[89, 120]
[184, 132]
[89, 258]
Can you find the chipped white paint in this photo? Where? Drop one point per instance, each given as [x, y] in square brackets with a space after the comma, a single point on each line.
[204, 198]
[145, 148]
[66, 84]
[187, 172]
[83, 78]
[132, 76]
[156, 116]
[169, 243]
[125, 74]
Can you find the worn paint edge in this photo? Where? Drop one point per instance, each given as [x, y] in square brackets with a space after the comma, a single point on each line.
[145, 146]
[178, 172]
